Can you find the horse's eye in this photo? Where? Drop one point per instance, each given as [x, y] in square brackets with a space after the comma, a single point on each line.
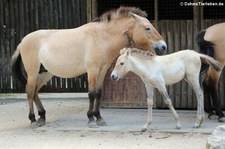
[147, 29]
[121, 63]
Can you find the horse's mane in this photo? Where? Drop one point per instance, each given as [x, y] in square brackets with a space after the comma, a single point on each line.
[137, 52]
[120, 12]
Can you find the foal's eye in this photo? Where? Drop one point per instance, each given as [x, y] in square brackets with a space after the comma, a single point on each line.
[121, 63]
[147, 29]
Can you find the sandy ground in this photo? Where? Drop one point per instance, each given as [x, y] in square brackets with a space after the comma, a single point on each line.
[66, 128]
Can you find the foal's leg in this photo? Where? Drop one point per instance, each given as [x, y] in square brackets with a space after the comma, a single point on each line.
[150, 94]
[43, 78]
[168, 102]
[193, 80]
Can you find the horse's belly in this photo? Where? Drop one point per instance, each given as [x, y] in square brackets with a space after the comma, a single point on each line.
[64, 70]
[174, 79]
[62, 61]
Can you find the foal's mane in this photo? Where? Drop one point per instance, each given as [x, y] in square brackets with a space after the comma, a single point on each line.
[141, 53]
[120, 12]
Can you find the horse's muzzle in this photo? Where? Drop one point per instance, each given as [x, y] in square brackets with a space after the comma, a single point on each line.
[160, 47]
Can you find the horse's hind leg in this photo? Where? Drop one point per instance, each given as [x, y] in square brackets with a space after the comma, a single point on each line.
[212, 83]
[207, 102]
[43, 78]
[30, 89]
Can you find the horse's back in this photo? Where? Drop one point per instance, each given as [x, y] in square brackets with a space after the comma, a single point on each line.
[180, 55]
[215, 32]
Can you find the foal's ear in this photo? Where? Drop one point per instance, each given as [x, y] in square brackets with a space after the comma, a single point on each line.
[136, 17]
[128, 51]
[122, 51]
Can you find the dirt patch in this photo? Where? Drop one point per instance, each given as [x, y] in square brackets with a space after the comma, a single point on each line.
[67, 128]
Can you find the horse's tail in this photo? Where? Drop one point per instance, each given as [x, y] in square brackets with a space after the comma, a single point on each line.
[206, 47]
[17, 67]
[211, 61]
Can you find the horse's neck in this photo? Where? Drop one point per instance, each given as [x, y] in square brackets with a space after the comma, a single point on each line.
[118, 40]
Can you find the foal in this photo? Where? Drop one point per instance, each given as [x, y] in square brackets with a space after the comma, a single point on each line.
[159, 71]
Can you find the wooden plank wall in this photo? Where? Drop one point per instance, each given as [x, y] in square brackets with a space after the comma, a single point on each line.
[20, 17]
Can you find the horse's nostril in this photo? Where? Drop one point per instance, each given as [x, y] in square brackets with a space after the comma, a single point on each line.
[164, 48]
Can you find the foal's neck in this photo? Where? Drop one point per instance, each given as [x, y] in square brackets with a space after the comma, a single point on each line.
[137, 65]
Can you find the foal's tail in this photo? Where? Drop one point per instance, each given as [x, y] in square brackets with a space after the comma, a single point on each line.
[211, 61]
[17, 67]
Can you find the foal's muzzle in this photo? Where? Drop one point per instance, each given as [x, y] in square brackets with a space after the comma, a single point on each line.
[114, 76]
[160, 47]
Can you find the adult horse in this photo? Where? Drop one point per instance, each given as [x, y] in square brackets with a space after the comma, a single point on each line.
[212, 42]
[89, 48]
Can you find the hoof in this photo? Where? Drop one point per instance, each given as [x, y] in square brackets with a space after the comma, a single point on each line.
[101, 122]
[196, 125]
[221, 119]
[33, 125]
[41, 122]
[92, 124]
[144, 129]
[178, 127]
[212, 116]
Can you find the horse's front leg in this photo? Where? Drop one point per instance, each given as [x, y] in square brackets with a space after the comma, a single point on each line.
[100, 78]
[150, 94]
[92, 96]
[95, 82]
[168, 102]
[100, 121]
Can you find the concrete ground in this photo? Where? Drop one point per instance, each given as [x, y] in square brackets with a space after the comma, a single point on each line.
[67, 126]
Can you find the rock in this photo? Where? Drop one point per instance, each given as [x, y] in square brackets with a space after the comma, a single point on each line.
[217, 139]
